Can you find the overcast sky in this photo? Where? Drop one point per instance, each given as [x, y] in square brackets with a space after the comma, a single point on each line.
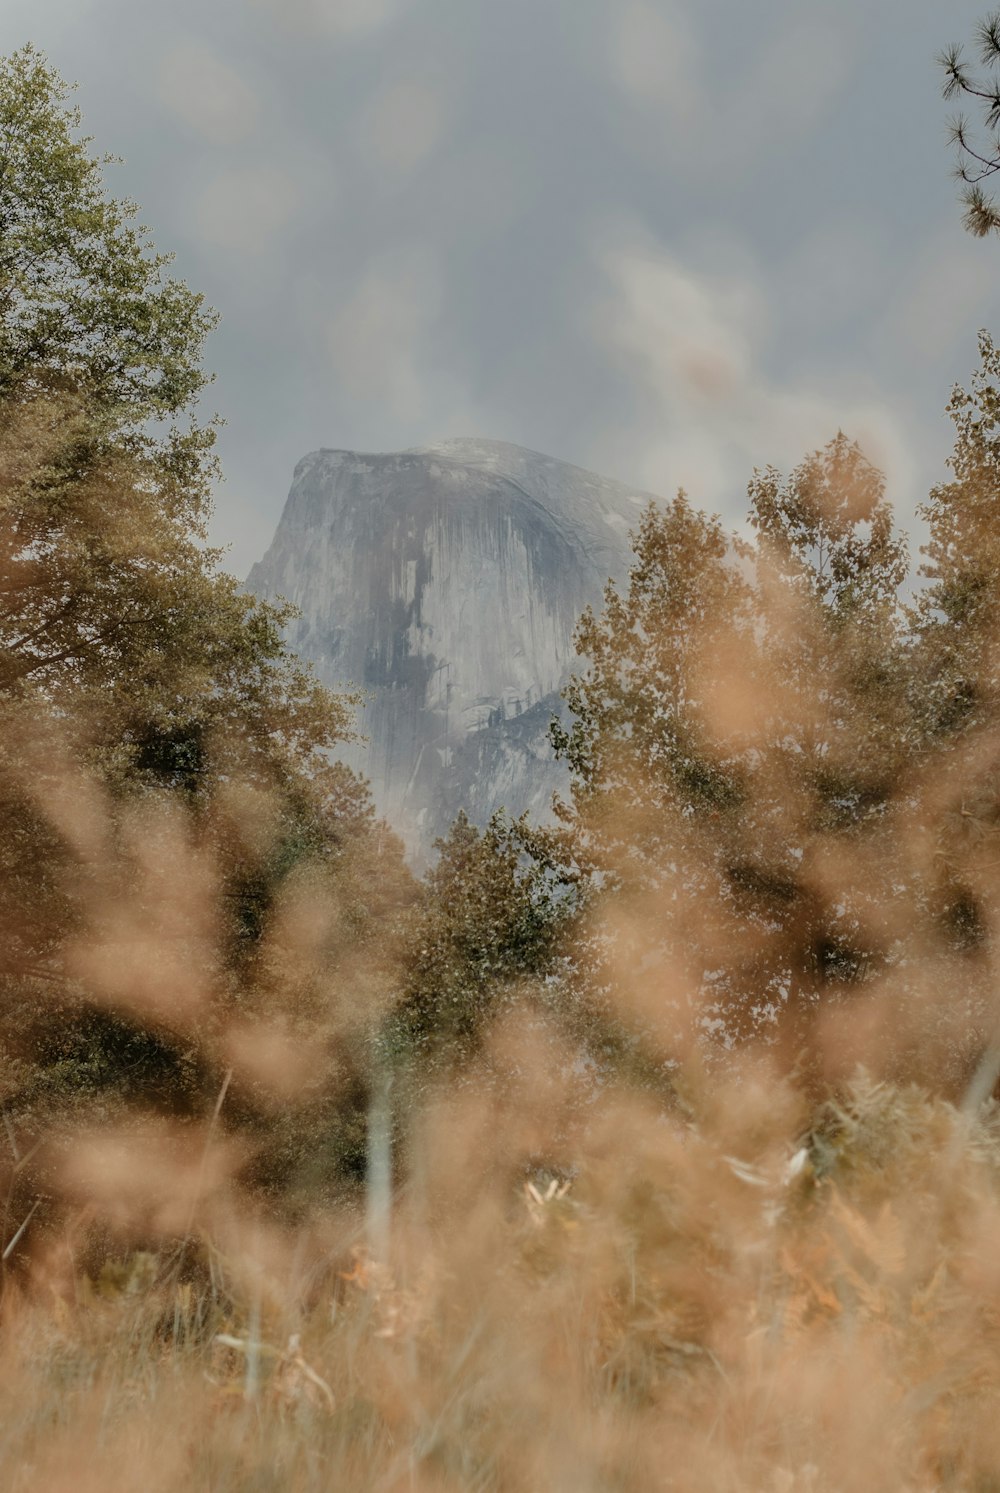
[666, 239]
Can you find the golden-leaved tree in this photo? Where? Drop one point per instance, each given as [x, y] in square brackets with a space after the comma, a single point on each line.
[784, 775]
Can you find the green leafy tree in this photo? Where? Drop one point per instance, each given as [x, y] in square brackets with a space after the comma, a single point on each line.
[85, 301]
[494, 908]
[113, 613]
[179, 856]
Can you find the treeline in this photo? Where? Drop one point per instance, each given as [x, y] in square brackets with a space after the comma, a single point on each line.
[783, 834]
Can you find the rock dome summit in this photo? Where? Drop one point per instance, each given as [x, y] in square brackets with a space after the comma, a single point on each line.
[446, 583]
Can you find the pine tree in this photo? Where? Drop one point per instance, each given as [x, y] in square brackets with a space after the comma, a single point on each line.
[978, 154]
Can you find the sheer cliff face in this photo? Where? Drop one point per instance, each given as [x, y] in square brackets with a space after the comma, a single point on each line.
[446, 583]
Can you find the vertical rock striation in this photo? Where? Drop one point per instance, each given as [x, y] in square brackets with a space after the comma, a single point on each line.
[446, 583]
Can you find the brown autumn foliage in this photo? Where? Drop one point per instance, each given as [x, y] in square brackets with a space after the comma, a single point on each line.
[753, 1272]
[784, 775]
[674, 1154]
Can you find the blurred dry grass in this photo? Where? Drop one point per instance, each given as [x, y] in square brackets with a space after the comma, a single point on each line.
[753, 1297]
[774, 1270]
[730, 1223]
[579, 1285]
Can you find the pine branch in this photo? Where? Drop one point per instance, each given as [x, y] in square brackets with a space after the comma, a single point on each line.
[988, 37]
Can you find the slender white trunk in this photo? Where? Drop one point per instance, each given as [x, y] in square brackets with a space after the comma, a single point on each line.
[379, 1178]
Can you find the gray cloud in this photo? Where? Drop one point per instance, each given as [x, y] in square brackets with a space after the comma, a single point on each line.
[379, 338]
[206, 94]
[403, 123]
[666, 238]
[719, 120]
[332, 18]
[692, 343]
[242, 209]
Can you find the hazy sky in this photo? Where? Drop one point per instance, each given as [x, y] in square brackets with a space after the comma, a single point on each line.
[667, 239]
